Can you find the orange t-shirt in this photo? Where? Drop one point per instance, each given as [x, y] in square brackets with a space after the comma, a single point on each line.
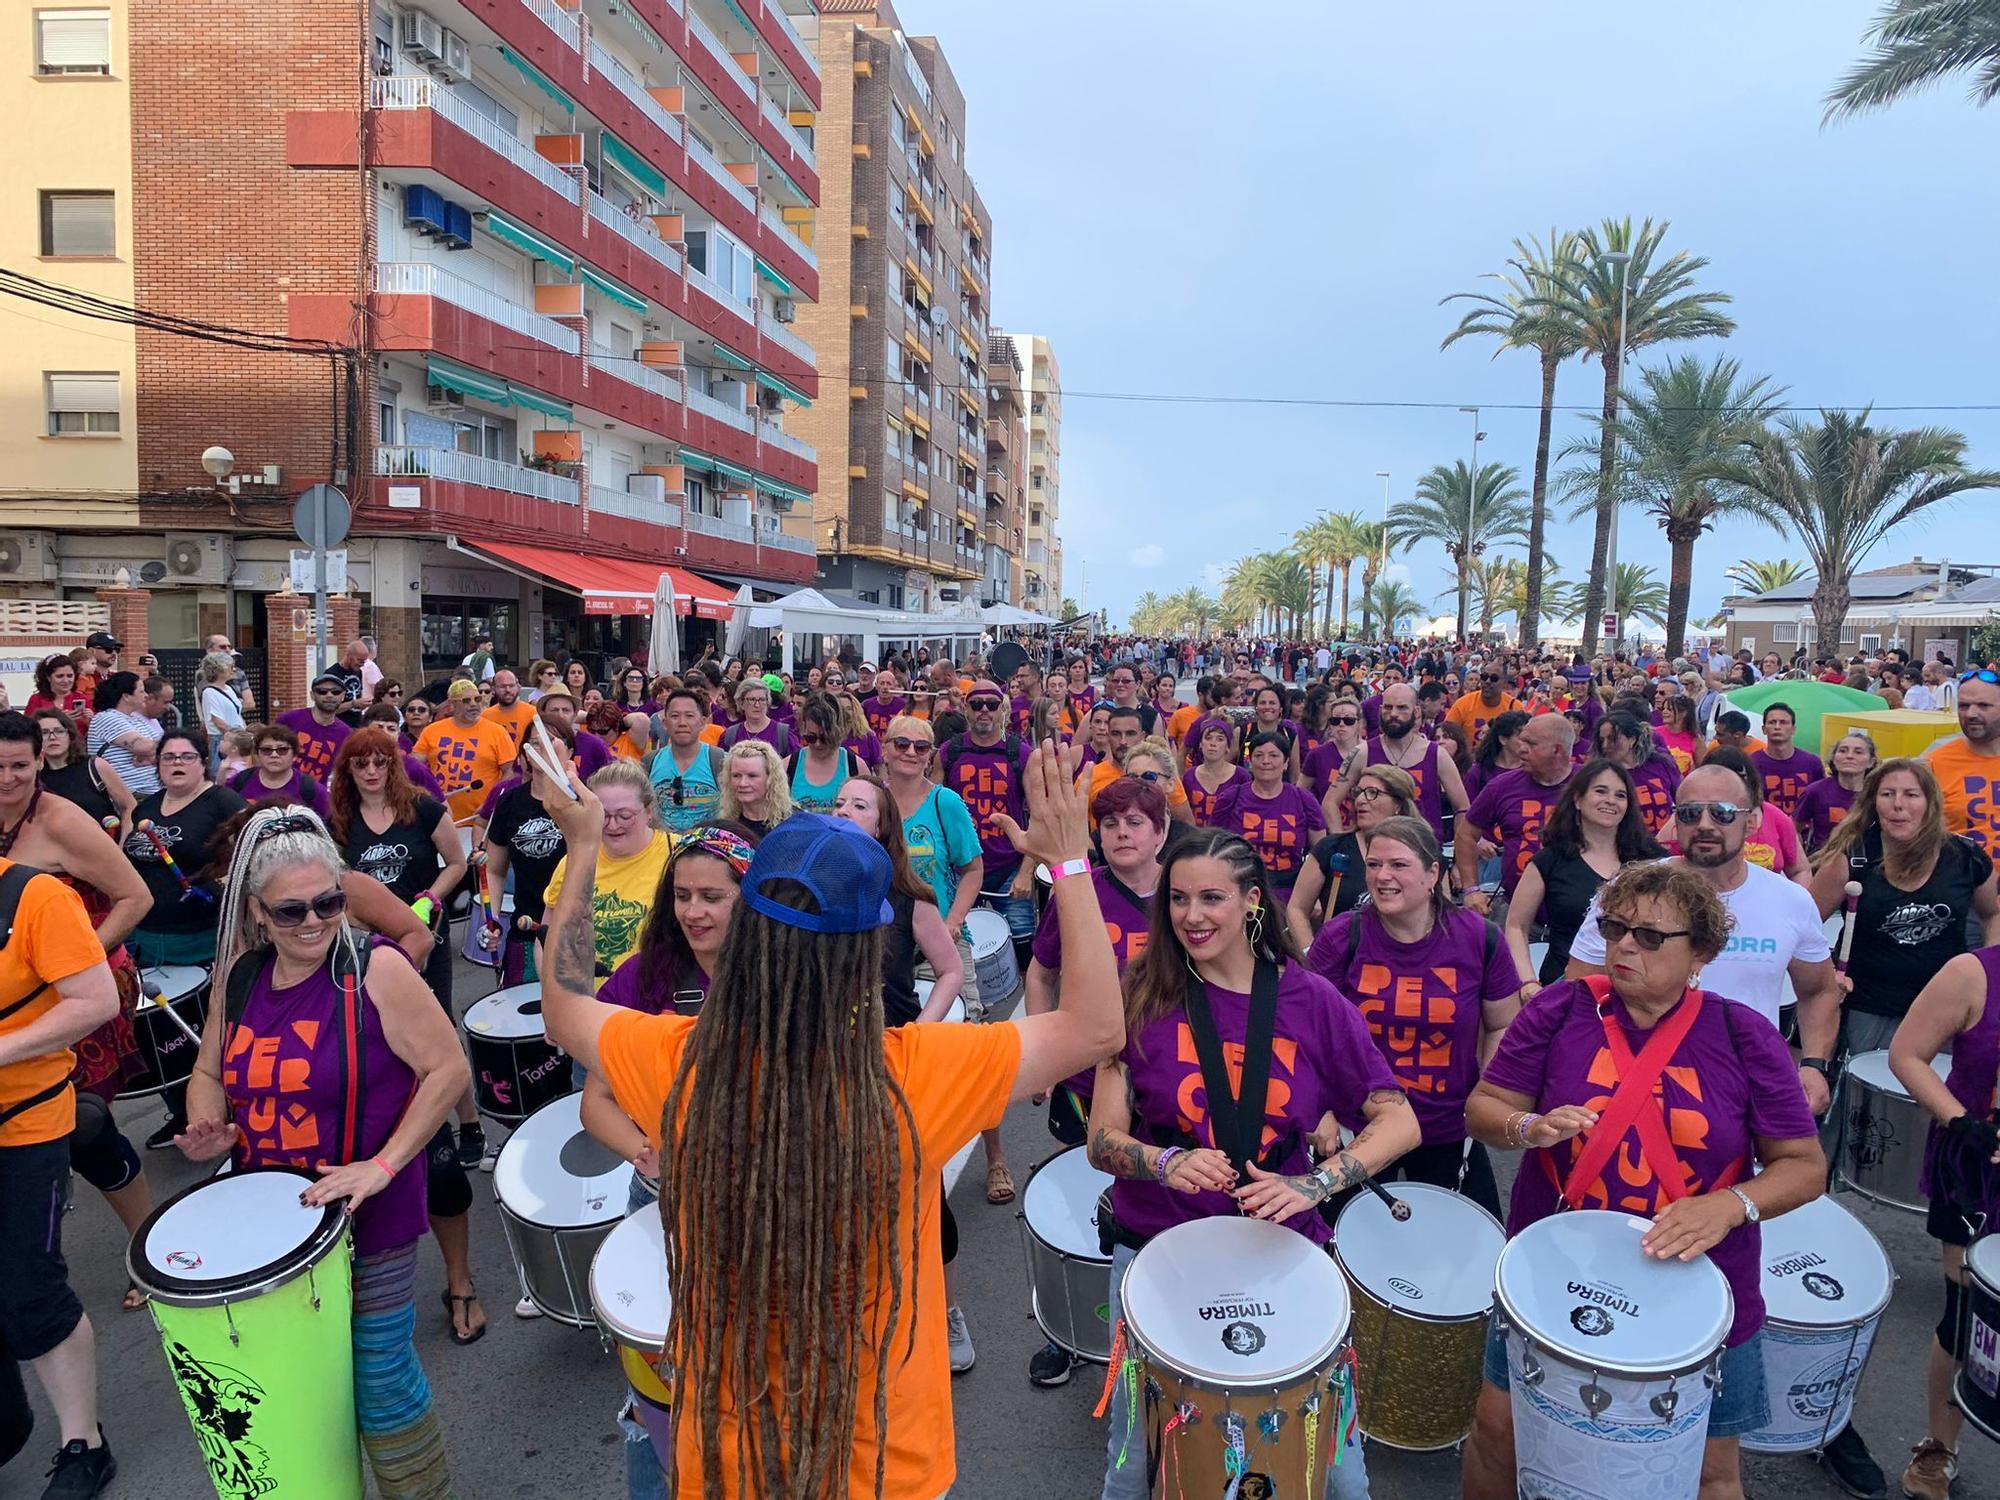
[1967, 780]
[1103, 772]
[1472, 715]
[52, 940]
[467, 761]
[957, 1079]
[515, 720]
[711, 734]
[1182, 721]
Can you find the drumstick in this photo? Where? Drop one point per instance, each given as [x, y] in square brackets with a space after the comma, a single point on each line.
[1847, 925]
[188, 887]
[1337, 865]
[1398, 1209]
[160, 1001]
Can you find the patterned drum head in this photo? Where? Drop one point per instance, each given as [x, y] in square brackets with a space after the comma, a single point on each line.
[1823, 1269]
[1435, 1265]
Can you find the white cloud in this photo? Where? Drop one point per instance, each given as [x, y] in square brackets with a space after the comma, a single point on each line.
[1149, 556]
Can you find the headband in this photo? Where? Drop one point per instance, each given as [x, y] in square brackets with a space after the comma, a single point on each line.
[719, 843]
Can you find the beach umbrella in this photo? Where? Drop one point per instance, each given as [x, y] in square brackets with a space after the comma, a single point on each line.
[664, 652]
[1810, 701]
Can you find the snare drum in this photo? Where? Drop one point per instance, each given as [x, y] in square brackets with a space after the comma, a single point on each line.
[515, 1068]
[166, 1053]
[628, 1293]
[992, 955]
[1242, 1329]
[1826, 1283]
[1069, 1275]
[1612, 1358]
[560, 1193]
[252, 1294]
[1976, 1387]
[952, 1012]
[1423, 1291]
[1883, 1132]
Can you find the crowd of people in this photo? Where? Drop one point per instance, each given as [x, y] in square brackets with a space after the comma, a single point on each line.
[746, 895]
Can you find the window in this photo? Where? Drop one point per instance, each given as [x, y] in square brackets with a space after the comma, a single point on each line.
[82, 405]
[79, 224]
[73, 41]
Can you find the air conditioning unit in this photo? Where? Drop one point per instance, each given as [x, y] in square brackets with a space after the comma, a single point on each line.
[196, 557]
[422, 36]
[27, 557]
[455, 59]
[441, 399]
[785, 310]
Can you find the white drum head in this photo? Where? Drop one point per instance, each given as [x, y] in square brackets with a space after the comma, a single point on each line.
[509, 1015]
[1872, 1068]
[230, 1227]
[628, 1281]
[1060, 1204]
[989, 931]
[1823, 1269]
[1042, 876]
[1437, 1264]
[1982, 1258]
[552, 1173]
[1579, 1284]
[173, 980]
[952, 1012]
[1236, 1303]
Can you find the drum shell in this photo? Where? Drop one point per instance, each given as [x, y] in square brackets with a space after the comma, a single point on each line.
[999, 972]
[512, 1077]
[1071, 1297]
[166, 1053]
[1419, 1377]
[555, 1264]
[1882, 1144]
[1811, 1376]
[1195, 1453]
[1976, 1388]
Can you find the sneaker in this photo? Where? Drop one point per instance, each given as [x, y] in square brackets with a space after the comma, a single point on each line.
[1051, 1367]
[1932, 1469]
[163, 1138]
[526, 1308]
[471, 1145]
[959, 1339]
[81, 1471]
[1850, 1465]
[491, 1156]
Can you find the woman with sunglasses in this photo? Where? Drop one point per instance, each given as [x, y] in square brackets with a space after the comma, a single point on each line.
[1743, 1149]
[1341, 738]
[1823, 804]
[1594, 832]
[1276, 817]
[276, 777]
[1331, 881]
[821, 764]
[86, 780]
[417, 714]
[283, 921]
[633, 695]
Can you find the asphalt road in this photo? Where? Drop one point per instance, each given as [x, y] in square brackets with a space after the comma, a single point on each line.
[529, 1411]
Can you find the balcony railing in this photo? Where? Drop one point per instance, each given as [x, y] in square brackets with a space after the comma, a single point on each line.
[785, 25]
[713, 44]
[729, 300]
[734, 531]
[635, 232]
[787, 131]
[635, 372]
[603, 62]
[722, 411]
[797, 246]
[416, 278]
[563, 23]
[428, 93]
[634, 507]
[783, 337]
[777, 437]
[705, 159]
[395, 461]
[786, 543]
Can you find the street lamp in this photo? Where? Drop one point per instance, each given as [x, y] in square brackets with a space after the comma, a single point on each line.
[218, 460]
[1621, 259]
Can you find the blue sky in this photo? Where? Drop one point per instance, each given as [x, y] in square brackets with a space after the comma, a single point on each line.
[1271, 203]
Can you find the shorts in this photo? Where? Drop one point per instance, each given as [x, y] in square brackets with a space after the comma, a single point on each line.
[1944, 1222]
[37, 1308]
[1742, 1401]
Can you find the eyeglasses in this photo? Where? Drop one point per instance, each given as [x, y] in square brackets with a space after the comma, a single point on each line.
[325, 906]
[1649, 938]
[1344, 719]
[180, 758]
[1687, 814]
[982, 703]
[1368, 793]
[624, 815]
[907, 745]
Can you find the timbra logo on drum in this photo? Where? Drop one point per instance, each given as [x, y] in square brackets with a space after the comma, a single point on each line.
[1820, 1284]
[1242, 1338]
[1595, 1321]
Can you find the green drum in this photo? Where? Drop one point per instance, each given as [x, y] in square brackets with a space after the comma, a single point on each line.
[252, 1292]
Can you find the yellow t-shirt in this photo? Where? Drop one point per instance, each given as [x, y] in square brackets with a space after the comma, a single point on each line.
[52, 940]
[957, 1079]
[621, 900]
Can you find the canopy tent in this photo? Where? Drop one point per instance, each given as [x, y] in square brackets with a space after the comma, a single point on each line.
[1009, 616]
[808, 612]
[1810, 701]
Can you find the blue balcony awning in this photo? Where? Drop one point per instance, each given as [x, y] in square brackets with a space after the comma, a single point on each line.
[598, 281]
[456, 377]
[731, 471]
[539, 79]
[784, 388]
[635, 166]
[764, 270]
[730, 357]
[780, 489]
[534, 400]
[701, 463]
[526, 240]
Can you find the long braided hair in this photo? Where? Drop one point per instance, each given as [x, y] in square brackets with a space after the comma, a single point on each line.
[769, 1246]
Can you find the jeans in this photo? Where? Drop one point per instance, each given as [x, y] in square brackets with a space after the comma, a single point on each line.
[1019, 911]
[1346, 1480]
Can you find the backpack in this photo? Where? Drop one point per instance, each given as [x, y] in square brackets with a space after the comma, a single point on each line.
[955, 747]
[1354, 944]
[350, 974]
[733, 736]
[13, 883]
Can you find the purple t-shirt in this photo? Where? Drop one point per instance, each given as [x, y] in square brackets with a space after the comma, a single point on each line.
[776, 735]
[623, 988]
[1950, 1165]
[880, 712]
[991, 781]
[1371, 713]
[421, 778]
[1422, 1003]
[1321, 1059]
[250, 787]
[1202, 804]
[866, 747]
[318, 743]
[1655, 782]
[1321, 764]
[1516, 807]
[1125, 923]
[1281, 829]
[1424, 772]
[1821, 806]
[1731, 1079]
[1785, 781]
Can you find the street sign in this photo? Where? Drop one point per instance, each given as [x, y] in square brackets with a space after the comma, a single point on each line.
[304, 570]
[1610, 625]
[321, 516]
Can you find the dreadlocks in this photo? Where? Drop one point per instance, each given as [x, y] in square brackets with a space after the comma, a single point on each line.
[763, 1248]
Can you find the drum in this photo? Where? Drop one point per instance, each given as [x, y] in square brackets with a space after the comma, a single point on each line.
[516, 1069]
[1069, 1274]
[628, 1293]
[953, 1012]
[1242, 1329]
[1883, 1131]
[1826, 1283]
[560, 1193]
[252, 1293]
[993, 956]
[1611, 1359]
[1422, 1292]
[1976, 1387]
[166, 1053]
[1045, 888]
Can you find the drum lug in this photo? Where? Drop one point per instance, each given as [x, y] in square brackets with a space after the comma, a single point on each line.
[1711, 1375]
[228, 1317]
[1531, 1369]
[1665, 1404]
[1595, 1397]
[312, 1287]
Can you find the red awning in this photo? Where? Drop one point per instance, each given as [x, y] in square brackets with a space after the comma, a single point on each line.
[611, 585]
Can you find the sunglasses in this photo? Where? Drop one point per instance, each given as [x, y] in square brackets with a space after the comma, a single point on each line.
[1649, 938]
[1687, 814]
[1489, 677]
[677, 789]
[906, 745]
[1344, 719]
[1982, 674]
[982, 703]
[274, 750]
[812, 739]
[292, 913]
[371, 762]
[1150, 775]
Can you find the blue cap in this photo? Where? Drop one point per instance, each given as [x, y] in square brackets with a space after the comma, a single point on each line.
[847, 872]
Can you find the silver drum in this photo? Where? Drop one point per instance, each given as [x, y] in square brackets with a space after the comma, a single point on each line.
[1069, 1276]
[1882, 1132]
[560, 1194]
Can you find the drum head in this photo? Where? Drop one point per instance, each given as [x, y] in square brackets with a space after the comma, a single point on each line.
[1060, 1205]
[171, 981]
[552, 1173]
[508, 1014]
[628, 1281]
[232, 1235]
[952, 1012]
[1872, 1068]
[1006, 659]
[1823, 1269]
[1437, 1264]
[1579, 1284]
[1043, 877]
[1982, 1259]
[1236, 1303]
[989, 931]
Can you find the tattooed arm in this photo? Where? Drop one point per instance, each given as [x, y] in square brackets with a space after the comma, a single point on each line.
[568, 957]
[1114, 1149]
[1391, 1130]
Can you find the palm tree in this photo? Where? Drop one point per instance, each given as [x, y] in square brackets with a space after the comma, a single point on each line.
[1465, 515]
[1194, 610]
[1312, 545]
[1392, 603]
[1840, 485]
[1524, 313]
[1620, 309]
[1919, 43]
[1345, 549]
[1641, 593]
[1761, 577]
[1499, 586]
[1146, 613]
[1373, 545]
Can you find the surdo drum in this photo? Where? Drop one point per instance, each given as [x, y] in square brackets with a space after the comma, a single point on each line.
[166, 1052]
[1976, 1388]
[1069, 1274]
[516, 1069]
[560, 1193]
[1882, 1140]
[628, 1293]
[993, 955]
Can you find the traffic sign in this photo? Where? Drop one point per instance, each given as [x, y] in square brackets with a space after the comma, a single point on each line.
[321, 517]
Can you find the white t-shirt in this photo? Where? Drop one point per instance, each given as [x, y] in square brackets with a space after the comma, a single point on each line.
[1776, 924]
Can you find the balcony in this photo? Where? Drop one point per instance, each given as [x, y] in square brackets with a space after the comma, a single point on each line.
[771, 220]
[422, 279]
[607, 501]
[562, 22]
[396, 461]
[429, 94]
[710, 43]
[721, 411]
[784, 338]
[1036, 555]
[712, 289]
[635, 94]
[787, 131]
[644, 376]
[777, 437]
[635, 232]
[706, 161]
[728, 531]
[785, 542]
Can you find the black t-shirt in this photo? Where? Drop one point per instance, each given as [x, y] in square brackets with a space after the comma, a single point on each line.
[1353, 881]
[77, 782]
[404, 855]
[186, 835]
[534, 845]
[1902, 938]
[899, 964]
[1569, 883]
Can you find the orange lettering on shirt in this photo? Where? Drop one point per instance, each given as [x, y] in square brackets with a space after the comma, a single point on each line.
[263, 1053]
[307, 1032]
[294, 1075]
[298, 1129]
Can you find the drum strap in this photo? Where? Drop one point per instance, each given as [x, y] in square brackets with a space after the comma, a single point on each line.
[1236, 1120]
[13, 884]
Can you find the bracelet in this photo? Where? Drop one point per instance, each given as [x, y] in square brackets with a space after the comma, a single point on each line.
[1068, 868]
[384, 1166]
[1528, 1122]
[1161, 1162]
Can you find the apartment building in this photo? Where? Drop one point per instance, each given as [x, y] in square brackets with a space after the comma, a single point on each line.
[567, 242]
[905, 247]
[1041, 558]
[1006, 493]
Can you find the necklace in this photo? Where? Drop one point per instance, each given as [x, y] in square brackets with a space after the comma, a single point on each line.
[1396, 756]
[8, 835]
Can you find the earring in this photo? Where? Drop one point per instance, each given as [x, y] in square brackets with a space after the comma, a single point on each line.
[1255, 926]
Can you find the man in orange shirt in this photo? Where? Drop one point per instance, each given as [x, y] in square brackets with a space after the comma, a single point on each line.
[1475, 710]
[1127, 730]
[55, 988]
[1967, 765]
[467, 753]
[508, 709]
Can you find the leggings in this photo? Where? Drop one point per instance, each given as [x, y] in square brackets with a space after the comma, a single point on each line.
[400, 1431]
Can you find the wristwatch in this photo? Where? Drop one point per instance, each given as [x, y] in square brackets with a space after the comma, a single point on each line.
[1323, 1177]
[1749, 1208]
[1819, 1065]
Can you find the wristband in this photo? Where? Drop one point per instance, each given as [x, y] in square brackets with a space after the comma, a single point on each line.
[1819, 1065]
[1068, 868]
[1528, 1122]
[1161, 1163]
[384, 1166]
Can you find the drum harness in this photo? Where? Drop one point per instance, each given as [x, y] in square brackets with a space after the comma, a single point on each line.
[12, 884]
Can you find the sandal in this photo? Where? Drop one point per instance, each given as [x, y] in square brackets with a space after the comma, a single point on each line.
[999, 1184]
[451, 1305]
